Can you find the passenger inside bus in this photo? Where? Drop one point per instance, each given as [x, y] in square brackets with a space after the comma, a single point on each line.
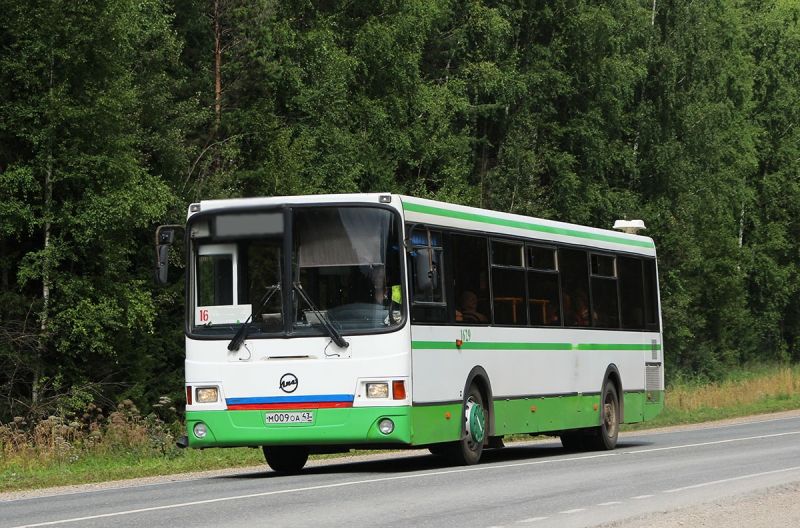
[576, 312]
[468, 309]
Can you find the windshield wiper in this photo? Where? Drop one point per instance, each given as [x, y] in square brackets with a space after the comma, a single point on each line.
[336, 337]
[241, 334]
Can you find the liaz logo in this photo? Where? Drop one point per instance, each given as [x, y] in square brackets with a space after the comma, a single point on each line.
[288, 382]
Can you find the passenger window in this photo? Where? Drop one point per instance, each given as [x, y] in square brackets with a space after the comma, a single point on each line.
[650, 295]
[631, 287]
[604, 300]
[470, 279]
[426, 266]
[508, 284]
[544, 305]
[574, 270]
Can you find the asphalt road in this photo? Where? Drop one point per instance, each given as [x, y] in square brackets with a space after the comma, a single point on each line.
[532, 484]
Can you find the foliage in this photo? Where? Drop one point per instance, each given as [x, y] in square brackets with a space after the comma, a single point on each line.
[116, 114]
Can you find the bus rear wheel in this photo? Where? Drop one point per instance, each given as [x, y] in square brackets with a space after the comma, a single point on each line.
[604, 438]
[287, 460]
[468, 450]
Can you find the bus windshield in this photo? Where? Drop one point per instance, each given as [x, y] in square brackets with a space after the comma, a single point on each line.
[345, 271]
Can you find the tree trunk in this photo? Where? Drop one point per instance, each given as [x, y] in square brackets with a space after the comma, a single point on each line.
[217, 68]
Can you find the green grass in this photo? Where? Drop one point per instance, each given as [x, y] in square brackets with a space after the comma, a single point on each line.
[106, 467]
[746, 392]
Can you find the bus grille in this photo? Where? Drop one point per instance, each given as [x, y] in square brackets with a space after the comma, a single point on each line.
[652, 381]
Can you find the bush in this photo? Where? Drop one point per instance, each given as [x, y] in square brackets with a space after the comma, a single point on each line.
[68, 438]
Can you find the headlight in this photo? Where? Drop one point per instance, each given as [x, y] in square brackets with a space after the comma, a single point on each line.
[377, 390]
[207, 394]
[200, 430]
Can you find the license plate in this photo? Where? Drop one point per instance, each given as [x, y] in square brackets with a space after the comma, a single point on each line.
[289, 417]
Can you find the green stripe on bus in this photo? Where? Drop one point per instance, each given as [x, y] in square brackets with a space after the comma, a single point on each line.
[487, 345]
[517, 224]
[621, 346]
[478, 345]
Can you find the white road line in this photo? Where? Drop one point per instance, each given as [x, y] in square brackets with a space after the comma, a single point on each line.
[732, 479]
[397, 477]
[610, 503]
[715, 442]
[309, 488]
[653, 432]
[640, 497]
[570, 512]
[533, 519]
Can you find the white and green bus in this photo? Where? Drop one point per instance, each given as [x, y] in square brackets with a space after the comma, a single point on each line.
[325, 323]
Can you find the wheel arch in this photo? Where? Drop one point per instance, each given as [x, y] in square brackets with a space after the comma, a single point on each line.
[612, 374]
[478, 377]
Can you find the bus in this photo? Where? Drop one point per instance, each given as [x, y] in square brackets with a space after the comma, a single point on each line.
[332, 322]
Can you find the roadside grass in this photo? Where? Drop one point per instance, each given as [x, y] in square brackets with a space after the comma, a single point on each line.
[748, 391]
[94, 448]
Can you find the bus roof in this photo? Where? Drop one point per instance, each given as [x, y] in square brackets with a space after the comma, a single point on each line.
[420, 210]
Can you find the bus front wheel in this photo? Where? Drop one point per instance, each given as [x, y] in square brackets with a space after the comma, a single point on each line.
[468, 450]
[287, 460]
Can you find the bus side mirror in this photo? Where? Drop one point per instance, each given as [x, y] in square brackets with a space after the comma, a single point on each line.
[162, 264]
[165, 237]
[426, 269]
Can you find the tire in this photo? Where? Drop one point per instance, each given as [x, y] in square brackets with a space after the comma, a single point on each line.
[604, 438]
[468, 450]
[287, 460]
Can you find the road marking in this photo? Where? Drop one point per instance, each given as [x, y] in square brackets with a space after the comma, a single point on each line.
[533, 519]
[610, 503]
[715, 442]
[570, 512]
[640, 497]
[399, 477]
[732, 479]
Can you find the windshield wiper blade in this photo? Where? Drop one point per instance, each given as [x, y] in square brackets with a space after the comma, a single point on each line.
[241, 334]
[326, 323]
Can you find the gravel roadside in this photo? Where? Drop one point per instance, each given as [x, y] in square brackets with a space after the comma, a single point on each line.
[769, 508]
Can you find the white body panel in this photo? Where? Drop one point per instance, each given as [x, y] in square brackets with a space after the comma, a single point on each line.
[439, 375]
[256, 368]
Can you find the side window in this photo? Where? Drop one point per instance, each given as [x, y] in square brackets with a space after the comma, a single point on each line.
[650, 295]
[605, 304]
[631, 288]
[543, 300]
[574, 269]
[470, 279]
[508, 283]
[426, 267]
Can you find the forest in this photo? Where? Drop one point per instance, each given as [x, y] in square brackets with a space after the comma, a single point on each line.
[116, 114]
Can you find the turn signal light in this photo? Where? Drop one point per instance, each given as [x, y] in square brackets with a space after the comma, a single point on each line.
[188, 395]
[399, 390]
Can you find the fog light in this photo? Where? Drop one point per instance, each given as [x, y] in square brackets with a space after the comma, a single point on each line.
[386, 426]
[207, 394]
[200, 430]
[377, 390]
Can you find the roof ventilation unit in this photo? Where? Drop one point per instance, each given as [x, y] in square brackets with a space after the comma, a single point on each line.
[629, 226]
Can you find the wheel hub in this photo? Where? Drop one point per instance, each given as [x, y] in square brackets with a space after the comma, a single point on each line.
[476, 422]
